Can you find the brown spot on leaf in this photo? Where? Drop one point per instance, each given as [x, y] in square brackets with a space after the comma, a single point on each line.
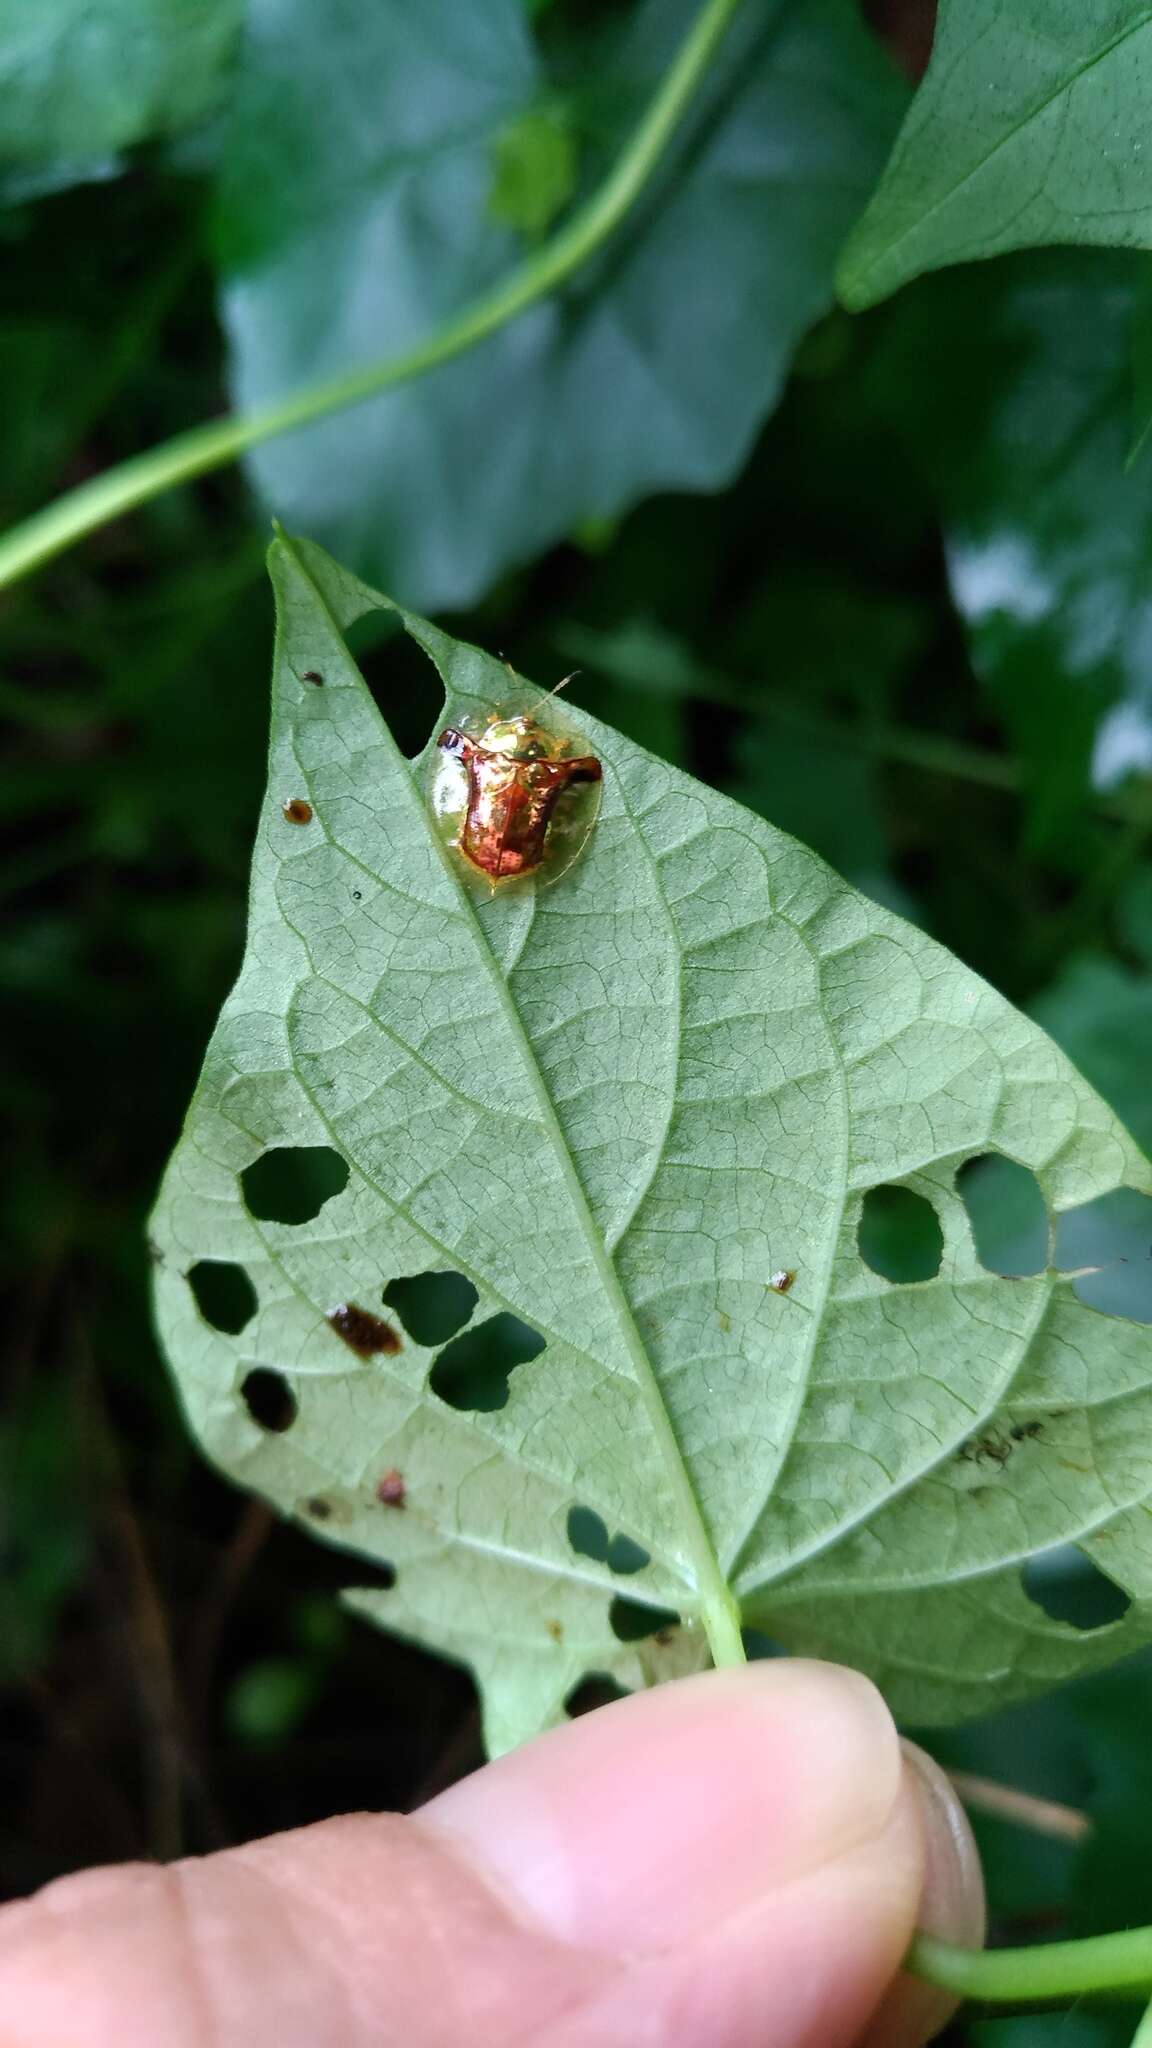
[391, 1491]
[296, 810]
[986, 1449]
[725, 1321]
[556, 1631]
[319, 1509]
[663, 1637]
[364, 1333]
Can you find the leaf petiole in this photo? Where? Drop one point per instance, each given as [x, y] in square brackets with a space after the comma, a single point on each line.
[1053, 1970]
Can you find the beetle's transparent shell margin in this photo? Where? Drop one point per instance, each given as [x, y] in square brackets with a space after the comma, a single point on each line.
[573, 816]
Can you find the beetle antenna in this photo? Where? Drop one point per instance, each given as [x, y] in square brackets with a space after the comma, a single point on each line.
[553, 692]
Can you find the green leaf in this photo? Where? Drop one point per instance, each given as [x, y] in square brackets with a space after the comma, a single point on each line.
[1101, 1013]
[1031, 127]
[1141, 367]
[1010, 383]
[81, 80]
[653, 369]
[621, 1109]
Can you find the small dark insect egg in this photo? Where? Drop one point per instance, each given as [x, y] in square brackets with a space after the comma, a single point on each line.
[297, 810]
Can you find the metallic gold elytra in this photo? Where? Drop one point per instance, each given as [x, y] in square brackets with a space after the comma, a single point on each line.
[511, 807]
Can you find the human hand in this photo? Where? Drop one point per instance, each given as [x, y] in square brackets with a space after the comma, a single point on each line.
[734, 1861]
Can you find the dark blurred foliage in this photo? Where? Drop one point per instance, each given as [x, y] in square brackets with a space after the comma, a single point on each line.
[176, 1672]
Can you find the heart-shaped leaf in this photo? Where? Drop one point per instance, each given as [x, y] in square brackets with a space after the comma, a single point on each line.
[660, 1121]
[1030, 127]
[386, 149]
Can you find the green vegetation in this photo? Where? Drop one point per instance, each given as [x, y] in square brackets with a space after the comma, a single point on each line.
[881, 577]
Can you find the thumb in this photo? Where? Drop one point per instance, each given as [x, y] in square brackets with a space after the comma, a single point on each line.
[751, 1847]
[729, 1861]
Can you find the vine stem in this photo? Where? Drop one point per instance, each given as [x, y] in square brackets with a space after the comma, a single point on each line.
[1054, 1970]
[191, 454]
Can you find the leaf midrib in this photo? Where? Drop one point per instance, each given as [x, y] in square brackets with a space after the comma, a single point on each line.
[716, 1601]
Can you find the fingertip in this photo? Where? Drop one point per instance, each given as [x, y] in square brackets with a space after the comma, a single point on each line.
[952, 1903]
[665, 1813]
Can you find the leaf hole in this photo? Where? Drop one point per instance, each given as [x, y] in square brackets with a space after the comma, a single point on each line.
[899, 1235]
[291, 1183]
[223, 1293]
[432, 1306]
[472, 1373]
[632, 1622]
[1006, 1213]
[269, 1399]
[1108, 1245]
[1070, 1587]
[588, 1535]
[370, 1577]
[596, 1690]
[401, 679]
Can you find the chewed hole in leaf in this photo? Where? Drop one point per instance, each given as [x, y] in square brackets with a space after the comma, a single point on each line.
[362, 1575]
[899, 1236]
[588, 1535]
[757, 1645]
[1007, 1214]
[1108, 1245]
[291, 1183]
[269, 1399]
[1070, 1587]
[631, 1621]
[472, 1372]
[596, 1690]
[432, 1306]
[224, 1294]
[404, 686]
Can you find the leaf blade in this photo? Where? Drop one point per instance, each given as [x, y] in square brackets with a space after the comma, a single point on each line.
[1028, 129]
[795, 1440]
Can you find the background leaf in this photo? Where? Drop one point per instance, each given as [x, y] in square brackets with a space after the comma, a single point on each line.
[1030, 127]
[82, 80]
[1011, 384]
[630, 379]
[617, 1110]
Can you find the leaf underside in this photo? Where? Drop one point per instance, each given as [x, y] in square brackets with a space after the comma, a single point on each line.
[620, 1108]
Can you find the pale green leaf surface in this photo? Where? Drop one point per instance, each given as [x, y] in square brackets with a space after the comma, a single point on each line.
[1030, 127]
[619, 1107]
[81, 80]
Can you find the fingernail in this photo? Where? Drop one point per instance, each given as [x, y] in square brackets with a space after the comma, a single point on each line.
[642, 1825]
[952, 1901]
[951, 1904]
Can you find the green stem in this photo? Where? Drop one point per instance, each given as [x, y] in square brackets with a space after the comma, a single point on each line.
[1058, 1969]
[722, 1627]
[191, 454]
